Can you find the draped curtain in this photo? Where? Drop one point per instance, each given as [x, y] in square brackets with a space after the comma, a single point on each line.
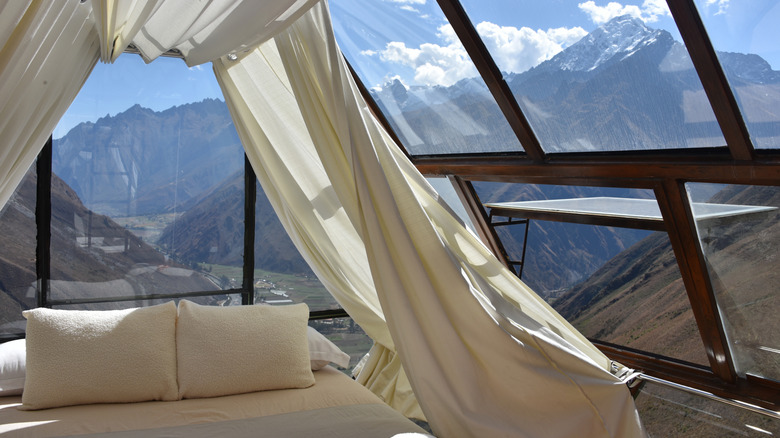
[200, 31]
[47, 50]
[484, 355]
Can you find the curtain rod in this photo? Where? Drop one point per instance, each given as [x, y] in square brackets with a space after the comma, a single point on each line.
[172, 53]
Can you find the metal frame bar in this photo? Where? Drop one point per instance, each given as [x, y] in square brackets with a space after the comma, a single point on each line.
[43, 248]
[713, 79]
[493, 78]
[681, 228]
[43, 223]
[711, 396]
[250, 197]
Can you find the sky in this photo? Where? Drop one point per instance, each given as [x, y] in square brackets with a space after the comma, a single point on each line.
[411, 40]
[522, 33]
[113, 88]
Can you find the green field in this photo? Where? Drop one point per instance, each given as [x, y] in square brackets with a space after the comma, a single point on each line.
[298, 288]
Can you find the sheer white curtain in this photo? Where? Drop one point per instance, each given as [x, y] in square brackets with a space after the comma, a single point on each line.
[201, 31]
[484, 355]
[47, 51]
[307, 197]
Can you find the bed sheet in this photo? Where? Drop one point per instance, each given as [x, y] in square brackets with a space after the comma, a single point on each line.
[333, 401]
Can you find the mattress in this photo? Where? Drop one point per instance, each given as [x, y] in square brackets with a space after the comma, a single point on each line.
[335, 406]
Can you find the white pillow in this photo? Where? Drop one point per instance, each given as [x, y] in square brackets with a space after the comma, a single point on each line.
[322, 351]
[231, 350]
[109, 356]
[12, 357]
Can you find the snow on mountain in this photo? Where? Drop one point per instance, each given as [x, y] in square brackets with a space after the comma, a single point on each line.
[399, 97]
[616, 40]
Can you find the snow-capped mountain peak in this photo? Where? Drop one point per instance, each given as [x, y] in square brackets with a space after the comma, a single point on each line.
[615, 40]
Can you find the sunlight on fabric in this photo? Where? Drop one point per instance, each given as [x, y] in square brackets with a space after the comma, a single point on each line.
[412, 244]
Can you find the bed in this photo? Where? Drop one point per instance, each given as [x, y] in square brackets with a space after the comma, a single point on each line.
[187, 372]
[335, 406]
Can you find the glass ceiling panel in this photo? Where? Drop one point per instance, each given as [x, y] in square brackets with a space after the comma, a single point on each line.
[598, 76]
[407, 54]
[444, 188]
[614, 284]
[742, 249]
[745, 36]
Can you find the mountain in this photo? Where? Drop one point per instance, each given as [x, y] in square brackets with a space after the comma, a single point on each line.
[213, 231]
[638, 299]
[186, 162]
[461, 118]
[559, 255]
[624, 86]
[155, 160]
[90, 254]
[606, 46]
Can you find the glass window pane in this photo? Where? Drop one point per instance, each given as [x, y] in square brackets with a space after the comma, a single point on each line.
[17, 256]
[668, 412]
[444, 188]
[282, 276]
[614, 284]
[407, 54]
[211, 300]
[145, 201]
[745, 36]
[742, 247]
[598, 77]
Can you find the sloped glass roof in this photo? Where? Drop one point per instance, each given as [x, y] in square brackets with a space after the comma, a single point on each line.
[744, 35]
[415, 68]
[593, 79]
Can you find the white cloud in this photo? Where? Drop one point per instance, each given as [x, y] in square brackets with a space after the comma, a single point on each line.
[517, 50]
[653, 9]
[410, 8]
[433, 64]
[721, 4]
[649, 12]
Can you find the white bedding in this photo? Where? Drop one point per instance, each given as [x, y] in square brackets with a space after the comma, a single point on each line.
[334, 406]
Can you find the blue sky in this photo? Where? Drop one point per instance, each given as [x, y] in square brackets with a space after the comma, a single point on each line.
[113, 88]
[410, 39]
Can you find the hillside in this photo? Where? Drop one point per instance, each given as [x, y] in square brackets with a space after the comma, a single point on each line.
[637, 299]
[559, 255]
[212, 231]
[89, 256]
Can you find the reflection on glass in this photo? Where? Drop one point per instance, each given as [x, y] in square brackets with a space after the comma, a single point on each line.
[421, 77]
[17, 256]
[444, 188]
[669, 412]
[742, 250]
[146, 201]
[613, 284]
[745, 35]
[595, 77]
[347, 335]
[211, 300]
